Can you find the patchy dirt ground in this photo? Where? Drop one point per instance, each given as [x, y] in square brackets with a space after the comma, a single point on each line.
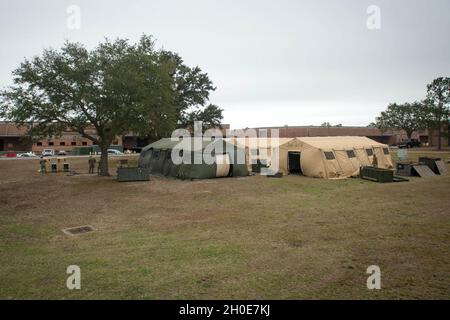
[252, 237]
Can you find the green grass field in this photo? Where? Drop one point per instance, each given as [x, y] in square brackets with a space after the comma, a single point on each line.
[230, 238]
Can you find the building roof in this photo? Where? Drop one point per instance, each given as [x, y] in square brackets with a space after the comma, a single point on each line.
[329, 131]
[340, 142]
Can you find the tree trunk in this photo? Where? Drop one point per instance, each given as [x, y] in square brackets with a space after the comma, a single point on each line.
[439, 126]
[448, 133]
[104, 168]
[430, 136]
[409, 134]
[439, 136]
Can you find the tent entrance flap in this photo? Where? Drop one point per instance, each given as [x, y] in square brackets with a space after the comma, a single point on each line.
[223, 165]
[294, 163]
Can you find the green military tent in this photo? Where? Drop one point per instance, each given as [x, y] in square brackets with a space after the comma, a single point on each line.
[228, 159]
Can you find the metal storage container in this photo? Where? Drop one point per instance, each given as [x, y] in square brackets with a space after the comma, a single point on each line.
[405, 168]
[414, 169]
[435, 164]
[132, 174]
[376, 174]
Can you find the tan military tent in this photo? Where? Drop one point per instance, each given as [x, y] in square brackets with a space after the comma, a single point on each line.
[322, 157]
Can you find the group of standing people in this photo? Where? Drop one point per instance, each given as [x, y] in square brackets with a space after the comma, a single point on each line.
[91, 161]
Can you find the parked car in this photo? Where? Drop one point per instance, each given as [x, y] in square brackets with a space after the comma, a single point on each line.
[26, 155]
[409, 144]
[62, 153]
[48, 153]
[115, 152]
[10, 154]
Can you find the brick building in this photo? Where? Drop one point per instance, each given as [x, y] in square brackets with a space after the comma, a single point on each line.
[388, 137]
[13, 138]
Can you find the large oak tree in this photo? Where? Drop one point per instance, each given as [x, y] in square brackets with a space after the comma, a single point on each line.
[438, 102]
[117, 87]
[409, 117]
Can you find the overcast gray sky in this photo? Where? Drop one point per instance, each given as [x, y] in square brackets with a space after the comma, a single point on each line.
[273, 62]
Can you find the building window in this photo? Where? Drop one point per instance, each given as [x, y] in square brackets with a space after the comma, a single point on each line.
[50, 143]
[386, 151]
[369, 152]
[39, 144]
[329, 155]
[84, 143]
[73, 143]
[351, 154]
[62, 143]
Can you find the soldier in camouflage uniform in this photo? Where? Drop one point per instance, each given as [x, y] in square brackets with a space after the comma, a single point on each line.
[92, 162]
[42, 164]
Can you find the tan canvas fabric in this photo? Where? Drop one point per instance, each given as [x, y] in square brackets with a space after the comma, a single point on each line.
[265, 146]
[285, 146]
[343, 166]
[313, 161]
[346, 164]
[222, 165]
[362, 156]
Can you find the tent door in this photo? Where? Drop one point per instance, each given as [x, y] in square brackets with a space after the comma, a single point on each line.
[294, 163]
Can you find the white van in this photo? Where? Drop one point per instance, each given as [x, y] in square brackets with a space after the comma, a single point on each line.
[48, 153]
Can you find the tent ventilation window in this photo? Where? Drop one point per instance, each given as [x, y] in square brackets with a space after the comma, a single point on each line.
[386, 151]
[351, 154]
[329, 155]
[369, 152]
